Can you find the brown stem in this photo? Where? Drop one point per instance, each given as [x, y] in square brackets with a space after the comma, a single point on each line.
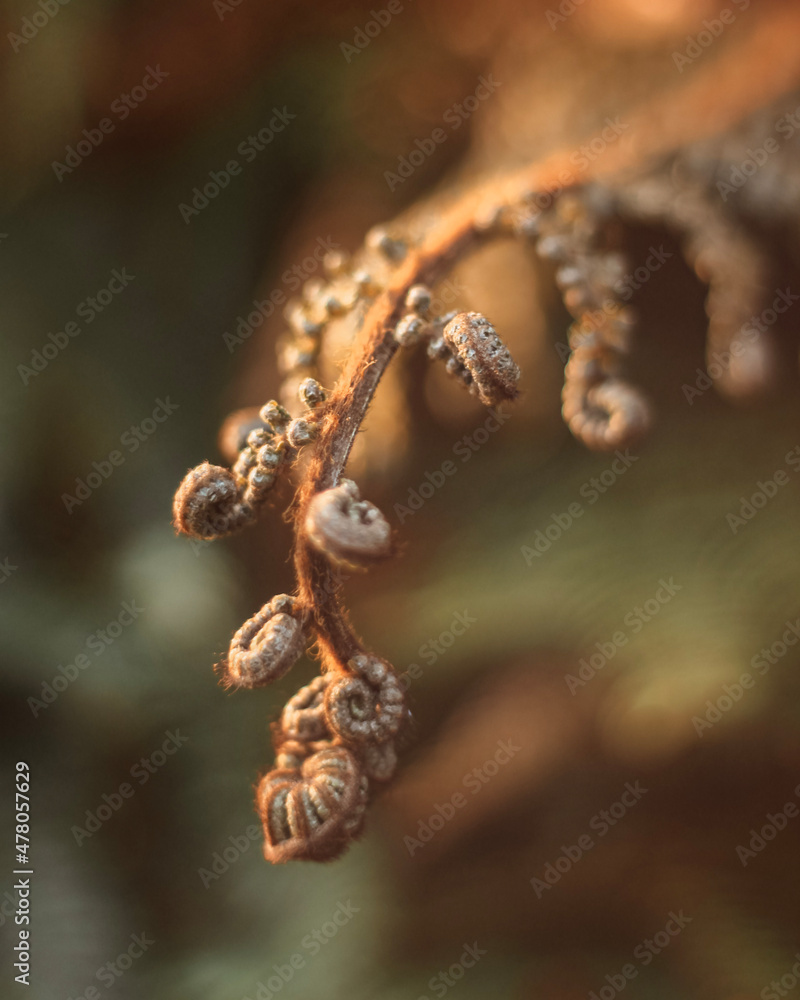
[712, 100]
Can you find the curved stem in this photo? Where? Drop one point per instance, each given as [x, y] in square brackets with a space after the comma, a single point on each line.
[715, 97]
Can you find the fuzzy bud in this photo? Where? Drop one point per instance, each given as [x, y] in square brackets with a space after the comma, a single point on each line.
[265, 647]
[208, 503]
[474, 342]
[349, 531]
[367, 706]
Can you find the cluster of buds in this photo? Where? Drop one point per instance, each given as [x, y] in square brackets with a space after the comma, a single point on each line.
[346, 285]
[466, 342]
[334, 739]
[213, 501]
[599, 407]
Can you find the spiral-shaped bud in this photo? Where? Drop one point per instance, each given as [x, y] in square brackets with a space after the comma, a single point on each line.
[367, 706]
[266, 646]
[303, 715]
[312, 812]
[475, 344]
[349, 531]
[607, 416]
[209, 503]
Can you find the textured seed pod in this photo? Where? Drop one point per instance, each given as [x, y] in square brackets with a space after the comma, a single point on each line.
[311, 393]
[209, 503]
[312, 812]
[379, 760]
[606, 416]
[301, 432]
[349, 531]
[266, 646]
[368, 706]
[303, 716]
[474, 342]
[274, 414]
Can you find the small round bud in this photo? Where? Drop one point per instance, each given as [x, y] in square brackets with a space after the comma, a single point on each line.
[273, 413]
[301, 432]
[418, 299]
[409, 330]
[391, 248]
[311, 393]
[270, 457]
[336, 262]
[258, 438]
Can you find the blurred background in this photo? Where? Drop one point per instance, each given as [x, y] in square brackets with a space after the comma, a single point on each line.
[555, 826]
